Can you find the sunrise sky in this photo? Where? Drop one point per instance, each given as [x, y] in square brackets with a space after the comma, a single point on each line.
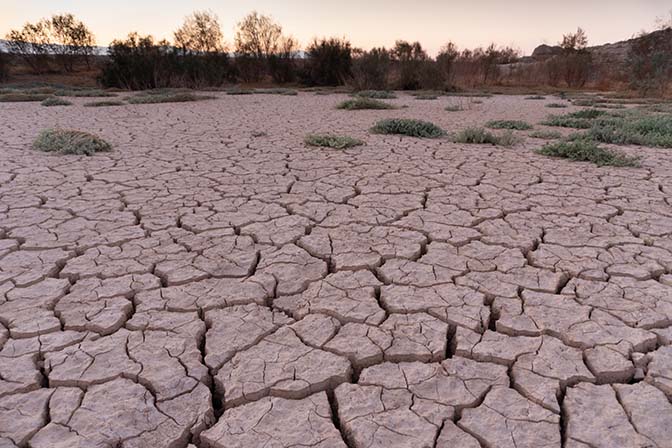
[523, 24]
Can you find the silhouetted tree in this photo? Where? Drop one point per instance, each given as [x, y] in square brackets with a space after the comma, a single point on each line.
[62, 36]
[32, 43]
[282, 63]
[446, 59]
[576, 60]
[257, 38]
[328, 62]
[371, 69]
[70, 40]
[409, 58]
[200, 33]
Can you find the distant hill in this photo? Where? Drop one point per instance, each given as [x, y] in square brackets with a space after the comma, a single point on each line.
[611, 53]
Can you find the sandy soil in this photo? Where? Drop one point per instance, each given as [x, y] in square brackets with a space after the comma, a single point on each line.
[203, 284]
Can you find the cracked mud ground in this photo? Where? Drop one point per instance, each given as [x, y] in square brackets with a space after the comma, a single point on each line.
[199, 286]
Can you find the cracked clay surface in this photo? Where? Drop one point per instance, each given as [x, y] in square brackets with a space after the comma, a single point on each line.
[207, 286]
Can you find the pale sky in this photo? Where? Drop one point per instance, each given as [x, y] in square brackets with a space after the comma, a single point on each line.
[523, 24]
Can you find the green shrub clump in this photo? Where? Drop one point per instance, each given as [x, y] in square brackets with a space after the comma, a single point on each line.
[52, 101]
[633, 129]
[332, 141]
[277, 91]
[22, 97]
[107, 103]
[85, 93]
[509, 124]
[376, 94]
[408, 127]
[167, 98]
[546, 135]
[588, 151]
[582, 119]
[64, 141]
[480, 136]
[363, 104]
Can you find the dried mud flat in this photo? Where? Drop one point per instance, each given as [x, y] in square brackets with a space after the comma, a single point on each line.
[206, 285]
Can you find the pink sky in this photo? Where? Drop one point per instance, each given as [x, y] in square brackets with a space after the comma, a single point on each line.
[523, 24]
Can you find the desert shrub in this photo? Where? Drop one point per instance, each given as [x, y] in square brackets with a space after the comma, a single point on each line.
[64, 141]
[563, 121]
[21, 97]
[426, 96]
[509, 124]
[545, 135]
[535, 97]
[276, 91]
[140, 63]
[53, 101]
[480, 136]
[633, 129]
[582, 119]
[408, 57]
[371, 69]
[609, 106]
[107, 103]
[556, 105]
[328, 62]
[584, 102]
[587, 151]
[376, 94]
[364, 103]
[468, 94]
[649, 62]
[85, 93]
[332, 141]
[167, 98]
[409, 127]
[587, 113]
[239, 91]
[282, 64]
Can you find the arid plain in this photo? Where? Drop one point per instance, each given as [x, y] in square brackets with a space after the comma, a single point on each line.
[213, 281]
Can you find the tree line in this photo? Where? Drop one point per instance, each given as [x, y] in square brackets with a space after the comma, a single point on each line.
[198, 56]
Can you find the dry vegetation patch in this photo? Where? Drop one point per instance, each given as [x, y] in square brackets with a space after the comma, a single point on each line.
[408, 127]
[66, 141]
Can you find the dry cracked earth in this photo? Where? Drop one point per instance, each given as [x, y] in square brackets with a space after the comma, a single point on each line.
[204, 285]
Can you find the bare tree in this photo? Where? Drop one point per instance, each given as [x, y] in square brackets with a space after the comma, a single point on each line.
[258, 36]
[62, 36]
[446, 59]
[575, 41]
[200, 33]
[576, 60]
[32, 43]
[70, 39]
[282, 64]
